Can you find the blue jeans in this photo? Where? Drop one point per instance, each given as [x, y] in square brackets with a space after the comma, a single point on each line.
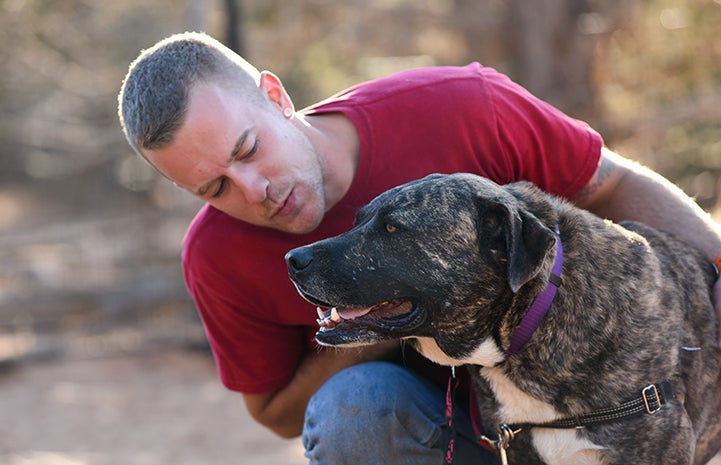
[382, 413]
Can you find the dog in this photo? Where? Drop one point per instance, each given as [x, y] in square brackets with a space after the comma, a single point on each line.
[454, 263]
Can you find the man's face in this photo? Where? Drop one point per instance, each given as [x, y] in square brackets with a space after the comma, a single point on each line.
[250, 162]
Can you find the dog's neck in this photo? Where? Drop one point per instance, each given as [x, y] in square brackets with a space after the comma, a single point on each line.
[487, 353]
[540, 305]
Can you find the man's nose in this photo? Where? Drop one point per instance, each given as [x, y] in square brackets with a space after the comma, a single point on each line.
[250, 182]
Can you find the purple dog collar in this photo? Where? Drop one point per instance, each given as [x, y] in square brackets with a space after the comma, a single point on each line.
[540, 304]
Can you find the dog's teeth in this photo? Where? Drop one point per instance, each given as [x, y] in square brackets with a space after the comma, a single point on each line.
[320, 313]
[334, 315]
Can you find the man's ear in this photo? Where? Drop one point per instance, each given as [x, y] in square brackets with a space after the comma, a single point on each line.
[273, 89]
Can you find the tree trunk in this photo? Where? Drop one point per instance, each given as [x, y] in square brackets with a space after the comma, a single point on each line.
[234, 37]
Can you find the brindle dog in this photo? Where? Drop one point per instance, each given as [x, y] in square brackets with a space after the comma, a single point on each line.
[452, 263]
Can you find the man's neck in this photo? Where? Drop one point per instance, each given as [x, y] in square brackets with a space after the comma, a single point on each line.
[336, 141]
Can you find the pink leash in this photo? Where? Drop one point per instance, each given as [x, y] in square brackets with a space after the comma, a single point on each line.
[450, 411]
[538, 309]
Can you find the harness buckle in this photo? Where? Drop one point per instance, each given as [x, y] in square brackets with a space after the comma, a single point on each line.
[650, 395]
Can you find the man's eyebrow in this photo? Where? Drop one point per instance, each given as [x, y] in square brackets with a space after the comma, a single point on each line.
[202, 190]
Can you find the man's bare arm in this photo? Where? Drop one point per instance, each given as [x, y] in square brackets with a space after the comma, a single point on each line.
[624, 190]
[283, 411]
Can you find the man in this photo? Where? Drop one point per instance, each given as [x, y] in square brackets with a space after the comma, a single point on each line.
[274, 178]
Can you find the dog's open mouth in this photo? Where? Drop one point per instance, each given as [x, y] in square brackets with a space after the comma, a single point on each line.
[390, 315]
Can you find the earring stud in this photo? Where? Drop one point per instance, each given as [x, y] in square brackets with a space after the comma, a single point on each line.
[287, 112]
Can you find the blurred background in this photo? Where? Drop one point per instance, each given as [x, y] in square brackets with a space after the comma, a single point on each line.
[102, 359]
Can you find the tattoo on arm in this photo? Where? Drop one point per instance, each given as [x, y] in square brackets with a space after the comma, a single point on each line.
[605, 168]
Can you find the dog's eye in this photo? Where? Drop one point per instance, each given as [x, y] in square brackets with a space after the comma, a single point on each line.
[390, 228]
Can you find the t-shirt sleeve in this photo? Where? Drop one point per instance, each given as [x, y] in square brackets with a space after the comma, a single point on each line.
[540, 143]
[253, 353]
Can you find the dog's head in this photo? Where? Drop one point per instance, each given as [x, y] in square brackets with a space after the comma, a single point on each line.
[441, 258]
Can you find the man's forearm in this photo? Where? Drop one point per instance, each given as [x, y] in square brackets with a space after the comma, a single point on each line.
[633, 192]
[623, 190]
[283, 411]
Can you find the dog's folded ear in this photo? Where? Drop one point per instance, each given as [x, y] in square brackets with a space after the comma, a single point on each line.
[528, 243]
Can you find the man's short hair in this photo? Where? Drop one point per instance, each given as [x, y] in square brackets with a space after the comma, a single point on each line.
[153, 98]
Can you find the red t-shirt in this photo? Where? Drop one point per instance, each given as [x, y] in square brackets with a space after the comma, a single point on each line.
[417, 122]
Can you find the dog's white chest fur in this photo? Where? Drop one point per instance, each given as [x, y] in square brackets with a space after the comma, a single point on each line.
[555, 446]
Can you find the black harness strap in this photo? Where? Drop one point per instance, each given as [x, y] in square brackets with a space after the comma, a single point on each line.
[648, 401]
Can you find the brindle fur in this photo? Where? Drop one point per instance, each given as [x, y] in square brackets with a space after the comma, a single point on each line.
[472, 255]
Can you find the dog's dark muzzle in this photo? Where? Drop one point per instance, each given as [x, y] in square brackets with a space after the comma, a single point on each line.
[298, 260]
[349, 308]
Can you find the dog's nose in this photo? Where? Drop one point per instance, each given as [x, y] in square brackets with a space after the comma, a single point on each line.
[299, 259]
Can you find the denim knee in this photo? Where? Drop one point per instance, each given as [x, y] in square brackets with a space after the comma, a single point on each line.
[376, 412]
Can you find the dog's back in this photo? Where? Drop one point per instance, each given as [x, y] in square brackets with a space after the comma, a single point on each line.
[634, 309]
[699, 358]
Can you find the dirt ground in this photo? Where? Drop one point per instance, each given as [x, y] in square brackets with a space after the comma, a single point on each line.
[156, 408]
[152, 409]
[102, 358]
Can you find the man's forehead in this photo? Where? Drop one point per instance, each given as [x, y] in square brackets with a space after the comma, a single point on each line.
[209, 136]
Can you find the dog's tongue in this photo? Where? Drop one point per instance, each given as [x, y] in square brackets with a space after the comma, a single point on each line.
[351, 313]
[388, 308]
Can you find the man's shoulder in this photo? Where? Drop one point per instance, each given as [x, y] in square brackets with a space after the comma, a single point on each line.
[209, 223]
[216, 237]
[414, 77]
[213, 234]
[413, 82]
